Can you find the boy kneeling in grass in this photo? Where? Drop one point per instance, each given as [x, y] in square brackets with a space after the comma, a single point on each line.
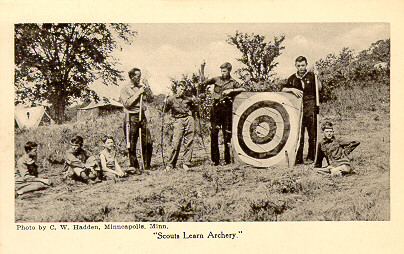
[80, 166]
[335, 151]
[109, 163]
[26, 172]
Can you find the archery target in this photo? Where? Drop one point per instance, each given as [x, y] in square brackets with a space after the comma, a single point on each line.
[266, 128]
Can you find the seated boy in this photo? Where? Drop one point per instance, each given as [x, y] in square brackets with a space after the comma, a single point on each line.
[26, 172]
[335, 151]
[109, 163]
[78, 165]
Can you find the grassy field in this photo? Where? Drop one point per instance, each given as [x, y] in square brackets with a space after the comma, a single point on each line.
[225, 193]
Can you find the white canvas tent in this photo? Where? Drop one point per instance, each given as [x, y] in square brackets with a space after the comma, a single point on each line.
[95, 110]
[31, 117]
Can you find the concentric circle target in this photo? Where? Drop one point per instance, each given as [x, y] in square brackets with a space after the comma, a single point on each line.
[262, 128]
[260, 149]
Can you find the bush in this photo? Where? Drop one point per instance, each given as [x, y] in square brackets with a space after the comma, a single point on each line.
[347, 69]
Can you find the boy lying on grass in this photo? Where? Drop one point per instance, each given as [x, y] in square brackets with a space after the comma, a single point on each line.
[80, 166]
[26, 172]
[109, 163]
[336, 153]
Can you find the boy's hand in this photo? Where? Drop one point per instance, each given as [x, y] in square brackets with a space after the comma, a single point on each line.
[141, 90]
[297, 92]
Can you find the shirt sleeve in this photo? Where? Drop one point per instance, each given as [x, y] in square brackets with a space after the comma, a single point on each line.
[210, 81]
[22, 168]
[169, 104]
[128, 100]
[73, 161]
[320, 156]
[349, 146]
[289, 83]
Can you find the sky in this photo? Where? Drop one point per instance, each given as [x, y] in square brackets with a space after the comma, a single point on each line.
[162, 51]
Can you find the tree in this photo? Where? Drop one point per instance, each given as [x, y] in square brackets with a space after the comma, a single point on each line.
[377, 52]
[258, 56]
[57, 62]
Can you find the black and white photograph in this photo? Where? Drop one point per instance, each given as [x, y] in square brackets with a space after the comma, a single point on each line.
[185, 126]
[202, 122]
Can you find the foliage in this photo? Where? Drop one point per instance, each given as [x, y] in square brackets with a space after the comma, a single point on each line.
[228, 193]
[203, 96]
[258, 56]
[56, 62]
[347, 69]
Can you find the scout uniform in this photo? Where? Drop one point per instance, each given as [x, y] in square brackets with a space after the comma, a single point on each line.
[78, 162]
[128, 94]
[307, 84]
[221, 116]
[26, 176]
[336, 153]
[184, 127]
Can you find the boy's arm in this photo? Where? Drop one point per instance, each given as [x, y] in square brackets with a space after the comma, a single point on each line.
[289, 88]
[320, 156]
[104, 164]
[128, 100]
[168, 103]
[23, 169]
[73, 161]
[206, 83]
[350, 146]
[118, 168]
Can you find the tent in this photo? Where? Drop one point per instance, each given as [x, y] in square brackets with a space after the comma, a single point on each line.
[31, 117]
[95, 110]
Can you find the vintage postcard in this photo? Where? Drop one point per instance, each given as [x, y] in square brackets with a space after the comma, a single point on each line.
[182, 123]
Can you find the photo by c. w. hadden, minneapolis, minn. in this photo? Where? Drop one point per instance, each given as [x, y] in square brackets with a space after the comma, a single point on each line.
[202, 122]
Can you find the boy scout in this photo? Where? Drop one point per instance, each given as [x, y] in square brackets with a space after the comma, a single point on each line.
[303, 84]
[26, 172]
[130, 98]
[335, 151]
[80, 166]
[225, 87]
[184, 125]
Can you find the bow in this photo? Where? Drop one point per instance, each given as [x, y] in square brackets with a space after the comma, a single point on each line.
[162, 133]
[140, 133]
[201, 79]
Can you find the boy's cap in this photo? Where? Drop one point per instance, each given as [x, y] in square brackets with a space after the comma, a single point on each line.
[326, 125]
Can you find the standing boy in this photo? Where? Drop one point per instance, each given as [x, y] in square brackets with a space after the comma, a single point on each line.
[130, 98]
[26, 172]
[335, 151]
[184, 125]
[225, 87]
[303, 84]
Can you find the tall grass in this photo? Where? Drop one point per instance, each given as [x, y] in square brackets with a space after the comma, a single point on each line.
[227, 193]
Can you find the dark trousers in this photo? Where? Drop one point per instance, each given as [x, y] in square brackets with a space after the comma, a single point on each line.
[309, 122]
[147, 145]
[220, 117]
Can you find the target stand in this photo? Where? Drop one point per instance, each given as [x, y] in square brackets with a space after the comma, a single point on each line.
[266, 128]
